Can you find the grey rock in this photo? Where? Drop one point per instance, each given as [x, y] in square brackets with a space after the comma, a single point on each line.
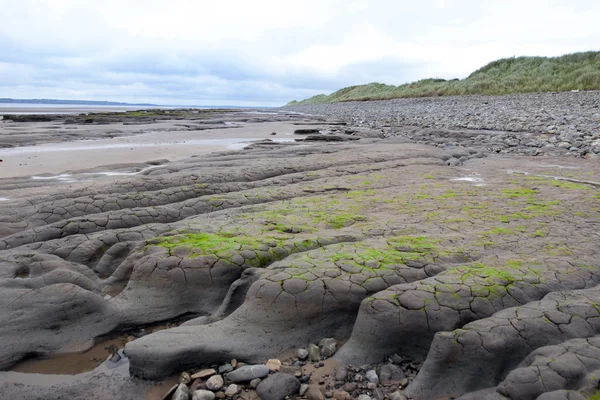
[315, 394]
[214, 383]
[302, 354]
[203, 395]
[232, 390]
[314, 353]
[372, 377]
[398, 395]
[389, 373]
[341, 373]
[248, 373]
[363, 397]
[254, 383]
[328, 347]
[223, 369]
[278, 386]
[182, 393]
[303, 389]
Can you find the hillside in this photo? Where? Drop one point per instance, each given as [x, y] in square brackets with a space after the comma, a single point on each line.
[577, 71]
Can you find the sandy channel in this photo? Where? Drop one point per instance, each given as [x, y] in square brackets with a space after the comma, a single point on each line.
[54, 158]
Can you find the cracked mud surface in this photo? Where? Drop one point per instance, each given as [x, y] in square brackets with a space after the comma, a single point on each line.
[487, 273]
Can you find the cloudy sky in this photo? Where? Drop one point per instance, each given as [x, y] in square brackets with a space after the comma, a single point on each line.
[264, 52]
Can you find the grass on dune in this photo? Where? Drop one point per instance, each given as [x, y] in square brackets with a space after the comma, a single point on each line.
[577, 71]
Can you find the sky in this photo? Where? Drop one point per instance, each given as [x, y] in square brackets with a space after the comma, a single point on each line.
[267, 52]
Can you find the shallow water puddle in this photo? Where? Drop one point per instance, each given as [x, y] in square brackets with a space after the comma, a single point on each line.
[77, 362]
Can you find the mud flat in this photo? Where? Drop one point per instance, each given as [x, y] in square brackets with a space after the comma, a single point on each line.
[368, 265]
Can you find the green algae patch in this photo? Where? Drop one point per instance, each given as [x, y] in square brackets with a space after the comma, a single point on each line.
[203, 243]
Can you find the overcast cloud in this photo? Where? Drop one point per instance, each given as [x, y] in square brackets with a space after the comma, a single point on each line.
[267, 52]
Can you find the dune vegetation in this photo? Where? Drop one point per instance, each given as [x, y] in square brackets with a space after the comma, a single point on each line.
[577, 71]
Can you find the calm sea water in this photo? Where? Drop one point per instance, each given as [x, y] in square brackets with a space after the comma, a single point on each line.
[25, 108]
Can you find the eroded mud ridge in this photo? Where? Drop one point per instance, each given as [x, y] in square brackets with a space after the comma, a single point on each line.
[486, 274]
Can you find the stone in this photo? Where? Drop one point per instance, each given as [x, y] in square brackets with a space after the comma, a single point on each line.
[185, 378]
[341, 373]
[220, 395]
[232, 390]
[314, 393]
[167, 395]
[372, 377]
[205, 373]
[277, 387]
[341, 395]
[389, 373]
[363, 397]
[182, 393]
[328, 347]
[247, 373]
[223, 369]
[349, 387]
[254, 383]
[273, 365]
[314, 353]
[214, 383]
[303, 389]
[302, 354]
[371, 386]
[398, 395]
[203, 395]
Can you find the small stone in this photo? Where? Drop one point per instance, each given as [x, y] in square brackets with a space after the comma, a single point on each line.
[254, 383]
[363, 397]
[359, 378]
[214, 383]
[372, 377]
[303, 389]
[398, 395]
[185, 378]
[329, 394]
[203, 395]
[304, 378]
[182, 393]
[371, 386]
[196, 385]
[328, 347]
[223, 369]
[247, 373]
[349, 387]
[220, 395]
[314, 394]
[204, 373]
[390, 373]
[314, 353]
[341, 395]
[234, 363]
[341, 374]
[403, 382]
[274, 364]
[278, 387]
[302, 354]
[231, 390]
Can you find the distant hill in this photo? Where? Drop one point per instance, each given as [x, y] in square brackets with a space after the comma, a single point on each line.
[72, 102]
[577, 71]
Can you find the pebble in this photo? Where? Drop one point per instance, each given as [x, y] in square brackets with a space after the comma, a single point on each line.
[214, 383]
[248, 372]
[274, 364]
[314, 393]
[371, 386]
[372, 377]
[185, 378]
[328, 347]
[223, 369]
[314, 353]
[231, 390]
[204, 373]
[363, 397]
[254, 383]
[398, 395]
[303, 389]
[182, 393]
[203, 395]
[302, 354]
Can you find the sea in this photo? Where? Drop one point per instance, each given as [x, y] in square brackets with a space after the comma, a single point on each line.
[30, 108]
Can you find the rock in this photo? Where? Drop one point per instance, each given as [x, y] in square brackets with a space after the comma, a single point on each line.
[314, 394]
[396, 359]
[223, 369]
[341, 395]
[232, 390]
[389, 373]
[203, 395]
[341, 374]
[371, 386]
[302, 354]
[328, 347]
[303, 389]
[307, 131]
[220, 395]
[254, 383]
[278, 387]
[205, 373]
[182, 393]
[214, 383]
[248, 373]
[372, 377]
[314, 353]
[167, 395]
[398, 395]
[273, 365]
[349, 387]
[185, 378]
[363, 397]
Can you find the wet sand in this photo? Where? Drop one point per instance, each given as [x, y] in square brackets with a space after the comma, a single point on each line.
[54, 158]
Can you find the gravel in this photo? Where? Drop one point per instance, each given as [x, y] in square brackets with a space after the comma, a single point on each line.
[566, 123]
